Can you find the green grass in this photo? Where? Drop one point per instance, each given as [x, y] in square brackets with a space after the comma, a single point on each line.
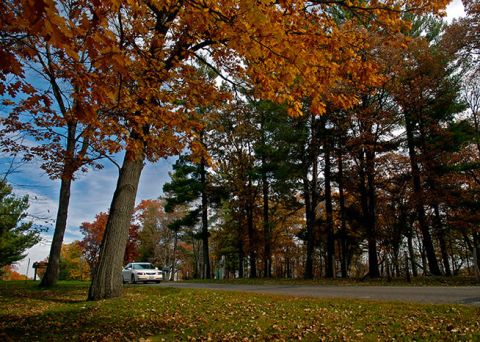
[28, 313]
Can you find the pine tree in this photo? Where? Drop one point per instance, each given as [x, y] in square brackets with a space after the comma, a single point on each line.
[16, 235]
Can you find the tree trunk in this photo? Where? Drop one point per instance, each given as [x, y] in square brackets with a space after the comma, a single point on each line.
[371, 225]
[368, 220]
[309, 222]
[107, 282]
[51, 275]
[330, 267]
[174, 257]
[441, 239]
[206, 255]
[343, 221]
[476, 243]
[419, 199]
[411, 252]
[241, 256]
[267, 234]
[310, 196]
[251, 232]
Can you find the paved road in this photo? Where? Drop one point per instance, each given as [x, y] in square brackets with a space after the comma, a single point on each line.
[425, 294]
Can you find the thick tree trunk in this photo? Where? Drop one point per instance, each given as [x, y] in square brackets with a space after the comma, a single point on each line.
[419, 200]
[330, 266]
[50, 277]
[107, 282]
[206, 255]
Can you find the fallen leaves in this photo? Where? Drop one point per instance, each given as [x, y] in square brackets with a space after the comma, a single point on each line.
[159, 314]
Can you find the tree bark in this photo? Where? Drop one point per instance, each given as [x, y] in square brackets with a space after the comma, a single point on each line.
[419, 199]
[51, 275]
[371, 225]
[310, 196]
[411, 252]
[368, 213]
[441, 239]
[241, 256]
[251, 232]
[174, 257]
[107, 282]
[267, 234]
[206, 255]
[476, 243]
[343, 221]
[309, 223]
[330, 266]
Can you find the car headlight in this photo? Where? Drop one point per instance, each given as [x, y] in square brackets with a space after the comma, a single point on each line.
[140, 273]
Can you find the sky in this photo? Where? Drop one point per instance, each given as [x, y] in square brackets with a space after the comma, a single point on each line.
[92, 192]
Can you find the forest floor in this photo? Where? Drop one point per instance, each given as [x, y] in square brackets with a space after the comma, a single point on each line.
[152, 313]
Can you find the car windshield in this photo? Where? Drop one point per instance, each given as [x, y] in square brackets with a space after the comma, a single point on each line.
[143, 267]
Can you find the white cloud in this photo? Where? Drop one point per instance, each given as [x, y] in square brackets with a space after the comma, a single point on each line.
[455, 10]
[91, 194]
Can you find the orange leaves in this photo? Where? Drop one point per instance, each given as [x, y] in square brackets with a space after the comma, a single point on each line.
[295, 110]
[132, 66]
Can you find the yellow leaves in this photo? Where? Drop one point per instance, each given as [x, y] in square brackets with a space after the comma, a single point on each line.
[295, 110]
[317, 107]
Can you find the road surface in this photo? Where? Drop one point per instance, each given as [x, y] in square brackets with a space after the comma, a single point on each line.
[425, 294]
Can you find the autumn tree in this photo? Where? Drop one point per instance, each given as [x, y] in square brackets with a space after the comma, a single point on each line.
[52, 41]
[73, 265]
[461, 36]
[145, 94]
[11, 273]
[93, 233]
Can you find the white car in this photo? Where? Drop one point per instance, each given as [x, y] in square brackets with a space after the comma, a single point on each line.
[135, 272]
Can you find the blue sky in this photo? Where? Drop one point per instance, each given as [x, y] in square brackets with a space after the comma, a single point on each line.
[92, 192]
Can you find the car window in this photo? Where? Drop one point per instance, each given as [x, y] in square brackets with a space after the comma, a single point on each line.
[143, 267]
[129, 265]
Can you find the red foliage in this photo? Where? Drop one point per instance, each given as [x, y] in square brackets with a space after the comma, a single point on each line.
[9, 273]
[93, 235]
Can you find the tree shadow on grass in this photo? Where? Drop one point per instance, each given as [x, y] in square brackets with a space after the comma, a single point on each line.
[126, 318]
[86, 324]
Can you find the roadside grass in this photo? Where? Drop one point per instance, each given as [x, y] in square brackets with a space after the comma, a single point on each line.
[28, 313]
[417, 281]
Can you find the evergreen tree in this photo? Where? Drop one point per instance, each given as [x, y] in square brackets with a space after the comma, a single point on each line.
[16, 235]
[187, 188]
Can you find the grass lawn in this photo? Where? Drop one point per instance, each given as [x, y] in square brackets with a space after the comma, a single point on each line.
[165, 314]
